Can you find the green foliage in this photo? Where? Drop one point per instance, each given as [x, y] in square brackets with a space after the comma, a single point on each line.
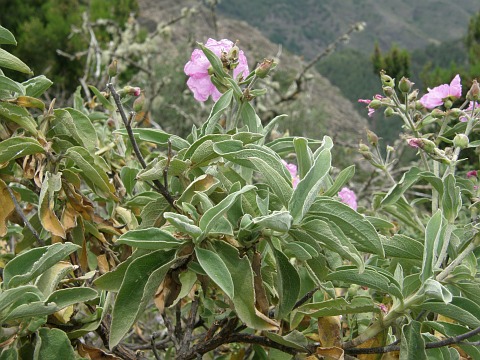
[396, 62]
[101, 218]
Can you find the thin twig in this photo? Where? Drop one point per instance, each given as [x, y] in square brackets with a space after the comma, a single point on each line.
[161, 188]
[305, 298]
[154, 346]
[432, 345]
[20, 212]
[167, 165]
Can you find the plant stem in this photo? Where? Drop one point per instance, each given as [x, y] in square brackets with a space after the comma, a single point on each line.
[159, 186]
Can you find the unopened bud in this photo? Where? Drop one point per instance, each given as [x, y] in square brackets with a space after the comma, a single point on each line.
[113, 68]
[388, 91]
[461, 141]
[389, 112]
[437, 113]
[265, 67]
[390, 148]
[29, 102]
[363, 147]
[132, 90]
[139, 103]
[365, 151]
[422, 143]
[448, 103]
[375, 104]
[474, 93]
[386, 80]
[419, 105]
[413, 95]
[455, 113]
[233, 53]
[405, 85]
[372, 137]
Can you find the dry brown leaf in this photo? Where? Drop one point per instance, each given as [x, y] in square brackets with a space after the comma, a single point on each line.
[261, 299]
[103, 266]
[94, 353]
[7, 207]
[331, 353]
[329, 331]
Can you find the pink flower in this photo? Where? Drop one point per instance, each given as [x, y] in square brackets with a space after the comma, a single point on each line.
[437, 95]
[472, 173]
[136, 91]
[371, 110]
[348, 197]
[469, 108]
[415, 143]
[197, 69]
[292, 169]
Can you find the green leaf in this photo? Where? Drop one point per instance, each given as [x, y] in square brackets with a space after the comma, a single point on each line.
[203, 183]
[343, 177]
[9, 296]
[216, 270]
[66, 297]
[451, 199]
[371, 277]
[6, 37]
[30, 310]
[274, 179]
[335, 307]
[412, 345]
[352, 224]
[18, 115]
[271, 125]
[10, 85]
[10, 353]
[294, 339]
[142, 279]
[463, 310]
[469, 289]
[280, 221]
[150, 239]
[218, 109]
[242, 277]
[307, 189]
[92, 173]
[112, 280]
[432, 245]
[408, 179]
[434, 290]
[51, 343]
[17, 147]
[37, 85]
[214, 61]
[74, 123]
[9, 61]
[183, 223]
[331, 236]
[304, 156]
[103, 100]
[30, 264]
[213, 214]
[288, 285]
[48, 281]
[402, 246]
[52, 183]
[250, 118]
[128, 176]
[156, 136]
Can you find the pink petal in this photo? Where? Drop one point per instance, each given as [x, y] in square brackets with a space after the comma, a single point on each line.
[456, 87]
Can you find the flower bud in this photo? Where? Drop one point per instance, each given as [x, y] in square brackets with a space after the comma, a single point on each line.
[405, 85]
[132, 90]
[413, 95]
[455, 113]
[372, 137]
[448, 103]
[390, 148]
[113, 68]
[461, 141]
[139, 103]
[389, 112]
[437, 113]
[474, 93]
[375, 104]
[232, 55]
[365, 151]
[386, 80]
[265, 67]
[422, 143]
[472, 173]
[388, 91]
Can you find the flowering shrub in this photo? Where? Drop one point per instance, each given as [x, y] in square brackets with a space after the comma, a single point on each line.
[240, 252]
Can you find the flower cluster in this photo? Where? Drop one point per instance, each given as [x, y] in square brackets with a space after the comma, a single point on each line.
[198, 69]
